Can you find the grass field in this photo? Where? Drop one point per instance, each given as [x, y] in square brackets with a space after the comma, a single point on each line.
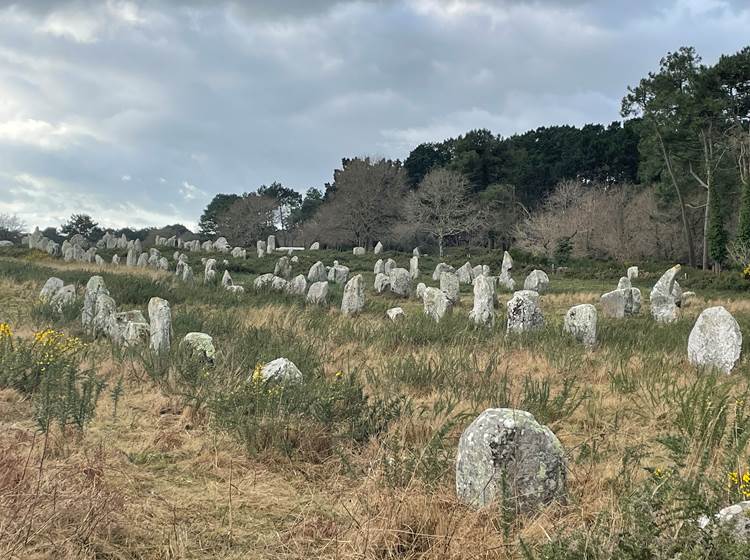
[177, 460]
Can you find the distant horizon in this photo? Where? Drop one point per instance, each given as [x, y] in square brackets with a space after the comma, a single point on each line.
[138, 113]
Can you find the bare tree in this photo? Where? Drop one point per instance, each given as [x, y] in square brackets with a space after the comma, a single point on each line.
[11, 227]
[441, 206]
[247, 219]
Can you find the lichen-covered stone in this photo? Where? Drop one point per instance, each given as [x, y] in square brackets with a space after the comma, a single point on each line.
[483, 312]
[160, 325]
[523, 312]
[506, 456]
[451, 287]
[580, 322]
[317, 294]
[716, 340]
[354, 296]
[400, 282]
[536, 281]
[436, 303]
[665, 297]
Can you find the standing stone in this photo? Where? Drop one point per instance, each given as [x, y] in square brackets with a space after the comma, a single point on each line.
[94, 287]
[162, 264]
[395, 314]
[505, 280]
[283, 268]
[400, 282]
[209, 271]
[317, 294]
[104, 322]
[415, 252]
[271, 244]
[315, 246]
[260, 248]
[279, 284]
[379, 267]
[483, 312]
[187, 274]
[632, 273]
[200, 346]
[317, 273]
[62, 298]
[115, 259]
[664, 300]
[624, 284]
[132, 258]
[537, 281]
[436, 303]
[338, 274]
[50, 288]
[450, 286]
[378, 248]
[142, 260]
[160, 325]
[465, 274]
[354, 296]
[614, 303]
[382, 282]
[207, 246]
[419, 292]
[505, 454]
[523, 312]
[716, 340]
[359, 251]
[439, 269]
[580, 321]
[414, 267]
[390, 264]
[239, 253]
[298, 285]
[226, 280]
[263, 282]
[477, 271]
[99, 260]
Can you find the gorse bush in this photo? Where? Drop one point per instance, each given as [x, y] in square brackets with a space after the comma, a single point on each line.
[48, 369]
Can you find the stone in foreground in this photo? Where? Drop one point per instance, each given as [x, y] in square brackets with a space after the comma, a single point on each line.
[200, 345]
[483, 312]
[395, 314]
[505, 455]
[580, 321]
[317, 294]
[716, 340]
[665, 297]
[400, 282]
[160, 325]
[436, 303]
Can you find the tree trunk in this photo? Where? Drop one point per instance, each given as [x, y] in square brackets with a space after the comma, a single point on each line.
[706, 218]
[440, 245]
[688, 234]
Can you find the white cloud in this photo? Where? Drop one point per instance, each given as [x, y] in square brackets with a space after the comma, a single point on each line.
[190, 191]
[42, 134]
[125, 178]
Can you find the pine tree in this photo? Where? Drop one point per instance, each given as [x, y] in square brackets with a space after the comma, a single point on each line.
[743, 230]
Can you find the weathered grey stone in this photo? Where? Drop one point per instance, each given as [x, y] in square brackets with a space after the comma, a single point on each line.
[400, 282]
[687, 298]
[271, 244]
[50, 288]
[6, 243]
[338, 274]
[94, 287]
[281, 370]
[239, 253]
[103, 323]
[135, 334]
[207, 246]
[465, 274]
[235, 289]
[298, 285]
[439, 269]
[580, 321]
[633, 302]
[379, 267]
[162, 264]
[62, 298]
[436, 303]
[359, 251]
[478, 270]
[537, 281]
[317, 294]
[382, 282]
[419, 292]
[132, 258]
[613, 303]
[98, 260]
[187, 274]
[199, 345]
[664, 300]
[450, 286]
[415, 252]
[736, 518]
[263, 282]
[716, 340]
[624, 284]
[378, 248]
[317, 273]
[389, 265]
[632, 273]
[354, 296]
[160, 325]
[115, 260]
[523, 312]
[226, 280]
[221, 245]
[260, 248]
[143, 260]
[395, 314]
[506, 455]
[315, 246]
[209, 271]
[283, 268]
[483, 312]
[414, 267]
[279, 284]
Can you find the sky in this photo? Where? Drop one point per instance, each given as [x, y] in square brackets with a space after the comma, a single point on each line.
[139, 112]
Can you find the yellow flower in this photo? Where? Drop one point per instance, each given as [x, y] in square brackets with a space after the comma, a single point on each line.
[258, 374]
[339, 374]
[5, 331]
